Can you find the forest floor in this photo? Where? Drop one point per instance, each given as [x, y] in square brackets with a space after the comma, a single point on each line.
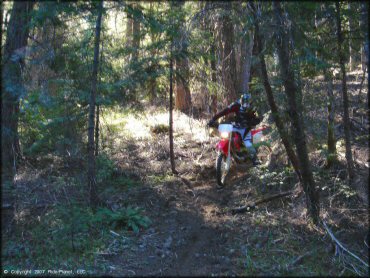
[192, 231]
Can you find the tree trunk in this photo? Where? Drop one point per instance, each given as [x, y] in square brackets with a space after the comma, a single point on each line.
[129, 32]
[152, 82]
[332, 150]
[270, 98]
[364, 23]
[182, 96]
[12, 85]
[254, 67]
[135, 36]
[91, 174]
[291, 91]
[350, 40]
[172, 155]
[213, 105]
[97, 123]
[347, 134]
[229, 77]
[97, 130]
[246, 58]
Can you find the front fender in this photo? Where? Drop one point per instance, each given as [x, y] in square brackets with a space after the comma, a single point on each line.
[223, 146]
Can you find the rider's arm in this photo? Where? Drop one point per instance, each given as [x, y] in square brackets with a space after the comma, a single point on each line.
[234, 107]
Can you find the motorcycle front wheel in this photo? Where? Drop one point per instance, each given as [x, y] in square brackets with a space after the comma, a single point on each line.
[221, 170]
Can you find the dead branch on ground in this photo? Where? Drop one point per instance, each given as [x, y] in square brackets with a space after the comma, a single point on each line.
[264, 200]
[340, 245]
[297, 260]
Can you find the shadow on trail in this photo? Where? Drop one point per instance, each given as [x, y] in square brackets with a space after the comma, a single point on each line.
[179, 242]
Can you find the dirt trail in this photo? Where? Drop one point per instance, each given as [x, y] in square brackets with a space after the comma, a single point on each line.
[192, 232]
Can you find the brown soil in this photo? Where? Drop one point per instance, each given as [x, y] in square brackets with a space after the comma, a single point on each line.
[193, 232]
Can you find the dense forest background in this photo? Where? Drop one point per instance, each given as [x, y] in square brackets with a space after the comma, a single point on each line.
[107, 162]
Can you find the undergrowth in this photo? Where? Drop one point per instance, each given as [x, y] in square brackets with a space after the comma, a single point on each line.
[69, 236]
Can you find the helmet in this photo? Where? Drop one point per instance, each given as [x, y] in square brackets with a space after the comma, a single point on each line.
[245, 100]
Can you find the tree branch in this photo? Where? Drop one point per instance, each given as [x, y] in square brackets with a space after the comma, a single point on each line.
[263, 200]
[341, 245]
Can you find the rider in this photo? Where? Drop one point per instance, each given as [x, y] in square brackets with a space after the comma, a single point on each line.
[246, 118]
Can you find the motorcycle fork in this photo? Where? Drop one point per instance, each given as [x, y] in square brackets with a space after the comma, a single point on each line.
[228, 159]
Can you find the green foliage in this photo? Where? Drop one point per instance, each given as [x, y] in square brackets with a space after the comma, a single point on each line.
[105, 168]
[125, 217]
[70, 235]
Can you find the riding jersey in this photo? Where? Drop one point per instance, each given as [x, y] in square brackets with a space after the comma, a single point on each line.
[245, 118]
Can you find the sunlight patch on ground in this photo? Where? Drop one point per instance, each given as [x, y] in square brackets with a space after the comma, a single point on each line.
[138, 127]
[182, 124]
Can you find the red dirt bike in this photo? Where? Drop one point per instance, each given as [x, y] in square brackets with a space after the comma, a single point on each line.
[231, 147]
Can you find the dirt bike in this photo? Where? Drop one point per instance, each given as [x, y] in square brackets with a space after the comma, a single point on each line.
[231, 147]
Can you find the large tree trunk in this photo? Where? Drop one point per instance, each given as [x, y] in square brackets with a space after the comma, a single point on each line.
[270, 98]
[91, 173]
[291, 91]
[229, 76]
[246, 61]
[182, 96]
[12, 85]
[332, 150]
[347, 131]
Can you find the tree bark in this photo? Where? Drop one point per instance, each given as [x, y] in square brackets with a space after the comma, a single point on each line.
[97, 130]
[342, 58]
[172, 155]
[91, 173]
[350, 40]
[229, 76]
[129, 33]
[364, 23]
[97, 123]
[213, 105]
[246, 61]
[135, 36]
[331, 140]
[291, 91]
[12, 85]
[270, 98]
[182, 95]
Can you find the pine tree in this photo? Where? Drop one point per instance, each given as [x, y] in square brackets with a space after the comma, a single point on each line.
[291, 91]
[12, 85]
[94, 198]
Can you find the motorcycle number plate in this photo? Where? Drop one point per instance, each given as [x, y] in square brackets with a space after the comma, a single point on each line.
[225, 128]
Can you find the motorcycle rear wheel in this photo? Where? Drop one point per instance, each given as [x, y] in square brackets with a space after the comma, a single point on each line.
[221, 172]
